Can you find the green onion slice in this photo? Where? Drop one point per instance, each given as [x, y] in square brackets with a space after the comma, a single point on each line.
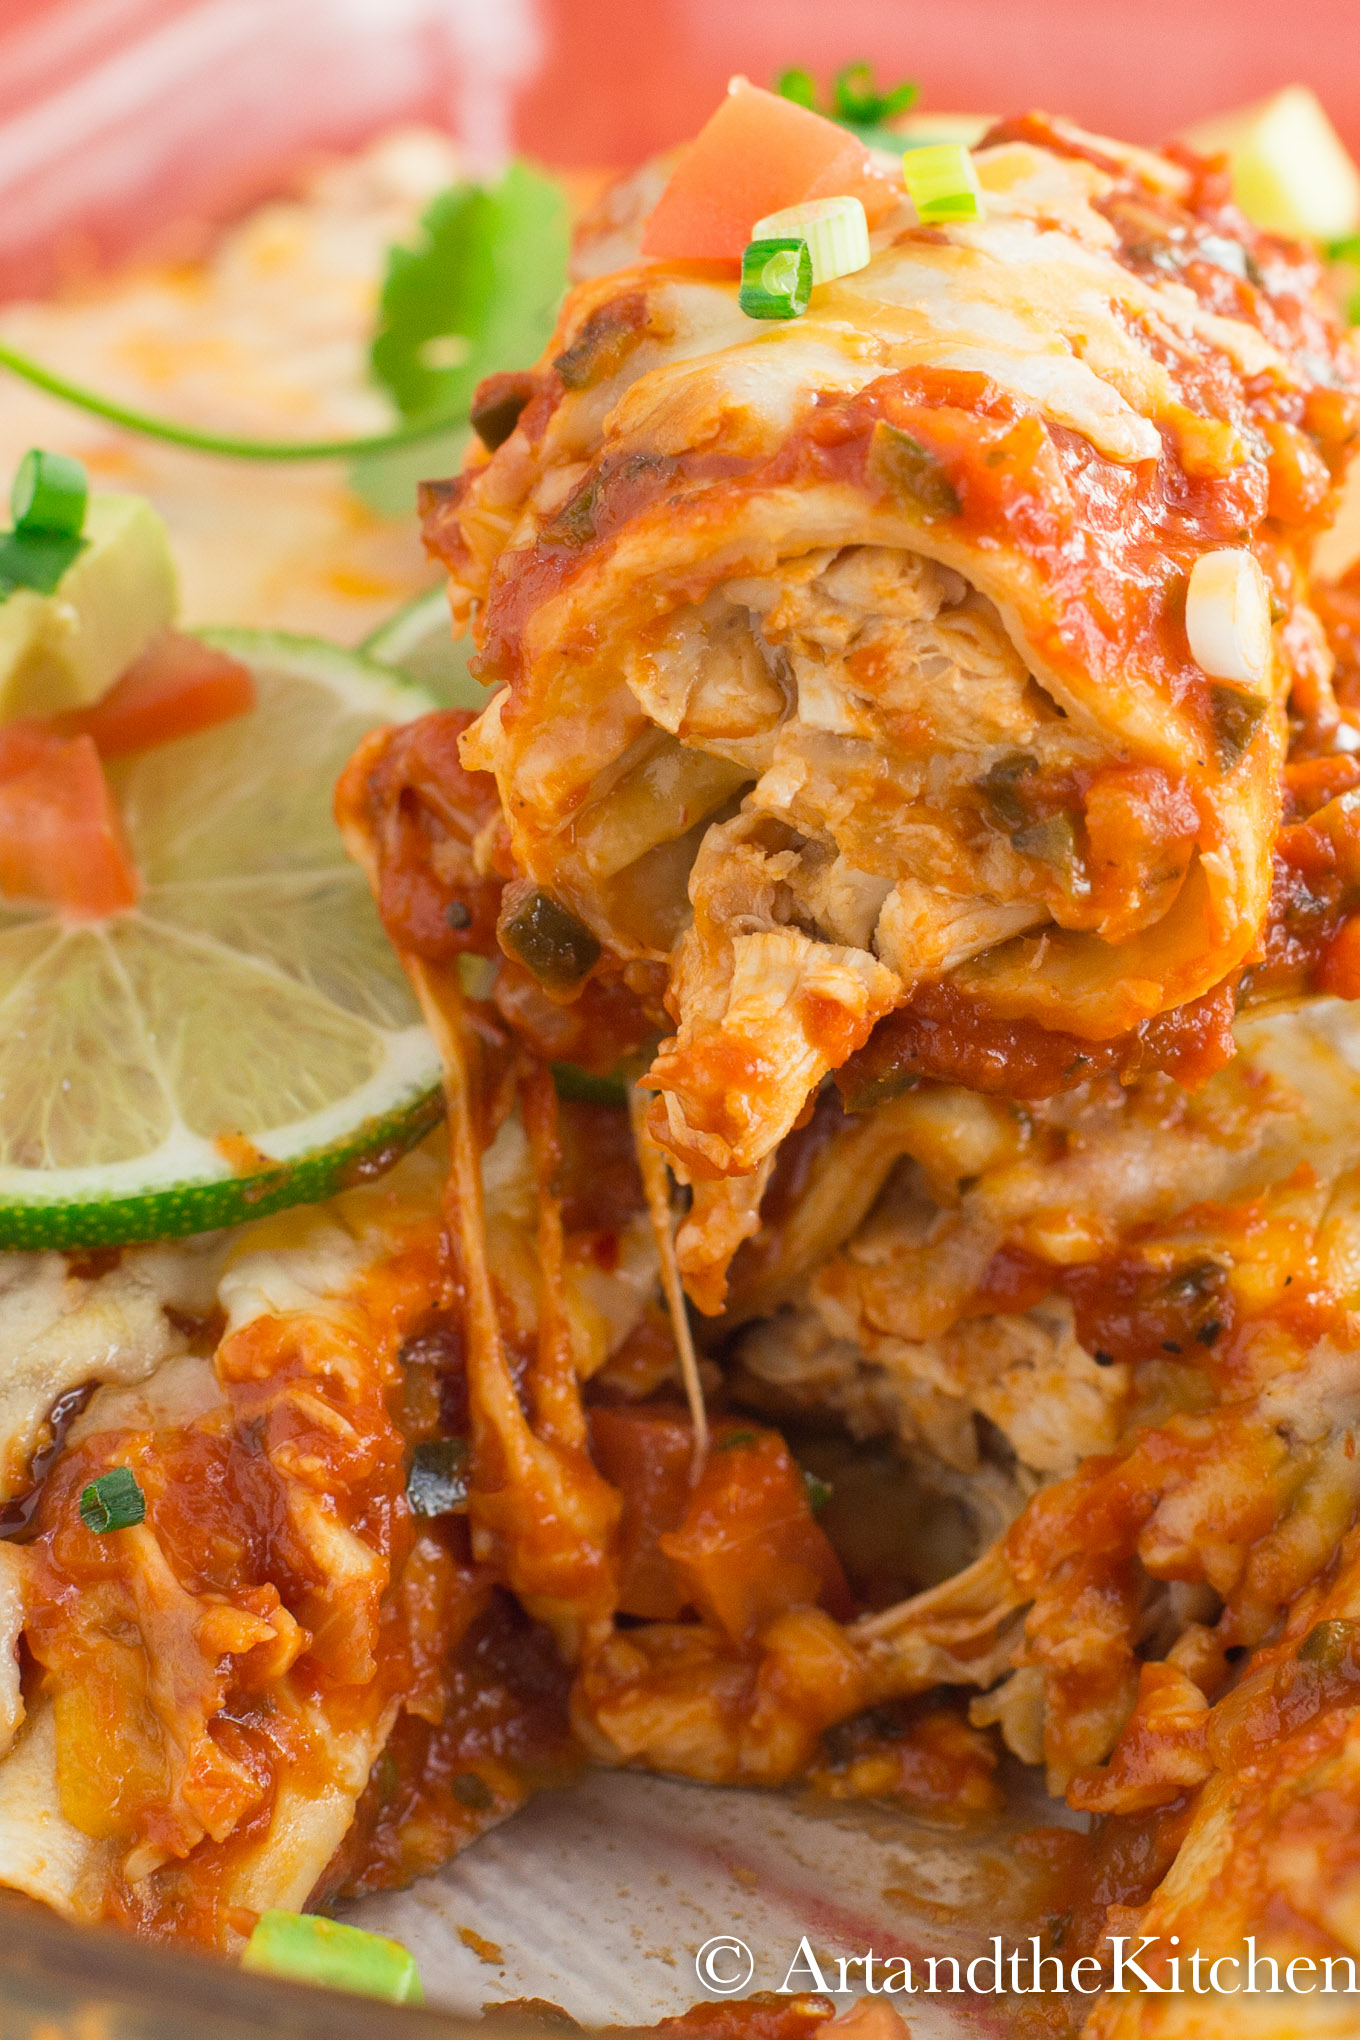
[309, 1949]
[50, 494]
[835, 229]
[113, 1502]
[942, 183]
[776, 278]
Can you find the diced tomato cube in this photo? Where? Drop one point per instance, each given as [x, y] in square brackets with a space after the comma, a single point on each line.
[61, 840]
[757, 154]
[646, 1454]
[749, 1547]
[178, 686]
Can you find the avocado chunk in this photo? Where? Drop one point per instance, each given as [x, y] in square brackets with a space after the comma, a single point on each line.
[66, 649]
[1290, 170]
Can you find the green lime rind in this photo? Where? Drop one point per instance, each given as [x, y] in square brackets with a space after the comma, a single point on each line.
[418, 643]
[372, 1149]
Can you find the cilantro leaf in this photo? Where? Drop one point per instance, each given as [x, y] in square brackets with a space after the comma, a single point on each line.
[856, 99]
[855, 102]
[478, 290]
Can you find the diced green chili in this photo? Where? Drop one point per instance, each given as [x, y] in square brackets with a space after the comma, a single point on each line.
[1235, 716]
[437, 1483]
[1328, 1644]
[910, 471]
[549, 941]
[1003, 789]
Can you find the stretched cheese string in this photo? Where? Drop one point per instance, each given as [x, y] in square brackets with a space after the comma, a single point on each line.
[657, 1188]
[539, 1506]
[545, 1510]
[495, 1405]
[559, 1412]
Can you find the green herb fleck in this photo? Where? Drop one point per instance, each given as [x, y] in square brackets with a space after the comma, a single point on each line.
[734, 1441]
[819, 1492]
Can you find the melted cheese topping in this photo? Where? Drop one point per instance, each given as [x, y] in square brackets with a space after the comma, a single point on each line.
[847, 654]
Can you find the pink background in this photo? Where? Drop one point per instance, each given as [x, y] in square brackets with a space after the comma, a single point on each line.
[626, 76]
[122, 119]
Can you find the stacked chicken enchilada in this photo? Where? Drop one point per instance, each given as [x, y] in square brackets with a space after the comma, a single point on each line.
[898, 900]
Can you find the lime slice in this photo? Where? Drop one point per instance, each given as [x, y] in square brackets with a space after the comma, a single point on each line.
[245, 1038]
[419, 642]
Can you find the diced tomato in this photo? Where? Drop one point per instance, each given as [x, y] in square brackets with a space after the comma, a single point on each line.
[749, 1546]
[61, 840]
[179, 685]
[646, 1455]
[758, 154]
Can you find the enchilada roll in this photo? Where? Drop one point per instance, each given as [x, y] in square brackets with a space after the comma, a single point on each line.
[855, 658]
[1114, 1334]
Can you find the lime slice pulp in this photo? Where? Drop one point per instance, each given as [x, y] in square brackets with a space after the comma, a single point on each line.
[244, 1038]
[419, 642]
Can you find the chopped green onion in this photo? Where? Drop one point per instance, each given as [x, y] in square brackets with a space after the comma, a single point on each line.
[113, 1502]
[736, 1441]
[776, 279]
[309, 1949]
[942, 183]
[835, 229]
[437, 1482]
[50, 494]
[1227, 616]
